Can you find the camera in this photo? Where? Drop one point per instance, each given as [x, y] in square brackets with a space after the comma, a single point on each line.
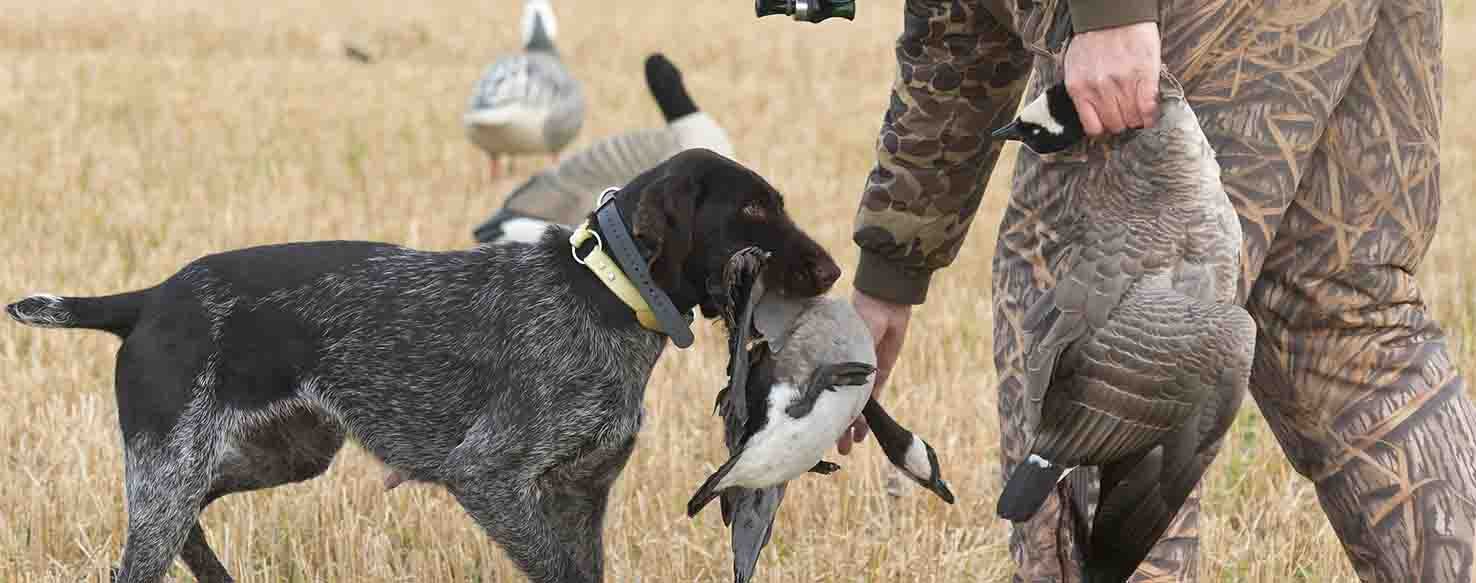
[807, 10]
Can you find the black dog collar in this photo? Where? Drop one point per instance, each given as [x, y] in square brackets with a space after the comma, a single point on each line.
[673, 323]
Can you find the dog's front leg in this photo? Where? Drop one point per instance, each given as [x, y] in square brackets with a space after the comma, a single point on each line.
[542, 500]
[575, 496]
[515, 513]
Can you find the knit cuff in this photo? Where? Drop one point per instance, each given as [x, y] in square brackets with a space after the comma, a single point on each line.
[882, 279]
[1088, 15]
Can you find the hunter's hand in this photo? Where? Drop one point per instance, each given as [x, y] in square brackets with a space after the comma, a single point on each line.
[1112, 77]
[888, 325]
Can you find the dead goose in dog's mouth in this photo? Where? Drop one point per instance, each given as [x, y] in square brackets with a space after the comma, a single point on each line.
[800, 407]
[775, 432]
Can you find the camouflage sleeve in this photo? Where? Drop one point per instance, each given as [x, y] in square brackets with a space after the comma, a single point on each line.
[1088, 15]
[961, 72]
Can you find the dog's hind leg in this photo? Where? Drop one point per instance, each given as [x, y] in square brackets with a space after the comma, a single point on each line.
[297, 447]
[201, 559]
[166, 481]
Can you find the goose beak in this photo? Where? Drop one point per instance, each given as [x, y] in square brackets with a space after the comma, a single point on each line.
[1010, 131]
[940, 488]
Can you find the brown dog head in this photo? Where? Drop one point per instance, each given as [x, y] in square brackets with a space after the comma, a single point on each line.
[691, 213]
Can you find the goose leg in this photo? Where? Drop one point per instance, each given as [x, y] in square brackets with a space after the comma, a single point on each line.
[825, 468]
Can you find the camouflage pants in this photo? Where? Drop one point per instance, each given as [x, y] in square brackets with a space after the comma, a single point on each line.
[1325, 118]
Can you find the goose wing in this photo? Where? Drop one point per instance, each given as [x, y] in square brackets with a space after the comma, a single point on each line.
[1104, 268]
[742, 287]
[1099, 380]
[749, 512]
[1161, 361]
[565, 193]
[533, 80]
[1141, 494]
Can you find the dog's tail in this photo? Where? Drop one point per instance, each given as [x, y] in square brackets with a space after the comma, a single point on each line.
[115, 313]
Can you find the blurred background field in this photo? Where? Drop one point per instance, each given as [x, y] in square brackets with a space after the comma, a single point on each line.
[137, 136]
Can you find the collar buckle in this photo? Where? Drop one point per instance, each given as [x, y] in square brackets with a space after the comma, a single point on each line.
[580, 235]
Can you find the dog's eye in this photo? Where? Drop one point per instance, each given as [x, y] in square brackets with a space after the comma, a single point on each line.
[755, 211]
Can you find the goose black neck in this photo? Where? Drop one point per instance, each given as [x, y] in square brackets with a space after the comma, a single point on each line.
[539, 41]
[665, 83]
[1063, 110]
[893, 438]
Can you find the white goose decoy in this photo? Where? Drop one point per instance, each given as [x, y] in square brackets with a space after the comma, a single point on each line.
[561, 194]
[526, 103]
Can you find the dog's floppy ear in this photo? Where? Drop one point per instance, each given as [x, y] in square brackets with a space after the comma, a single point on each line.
[665, 211]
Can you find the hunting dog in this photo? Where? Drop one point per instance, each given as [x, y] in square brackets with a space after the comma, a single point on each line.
[510, 375]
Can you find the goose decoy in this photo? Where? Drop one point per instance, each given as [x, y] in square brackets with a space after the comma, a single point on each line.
[527, 102]
[560, 194]
[1138, 358]
[357, 54]
[825, 337]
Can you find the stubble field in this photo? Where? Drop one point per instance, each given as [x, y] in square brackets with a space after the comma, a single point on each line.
[137, 137]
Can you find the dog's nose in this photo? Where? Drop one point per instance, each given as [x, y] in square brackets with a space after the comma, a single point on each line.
[826, 273]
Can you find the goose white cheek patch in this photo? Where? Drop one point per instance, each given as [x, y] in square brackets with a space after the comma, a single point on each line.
[917, 459]
[1038, 113]
[541, 12]
[523, 230]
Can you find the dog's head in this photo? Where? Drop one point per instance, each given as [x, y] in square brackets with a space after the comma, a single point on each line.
[691, 213]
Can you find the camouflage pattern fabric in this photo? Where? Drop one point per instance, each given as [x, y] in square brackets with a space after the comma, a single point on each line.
[1325, 118]
[960, 75]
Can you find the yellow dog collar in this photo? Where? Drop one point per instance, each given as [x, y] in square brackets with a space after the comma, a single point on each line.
[609, 273]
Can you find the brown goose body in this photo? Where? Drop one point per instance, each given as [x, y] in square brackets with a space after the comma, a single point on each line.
[1138, 357]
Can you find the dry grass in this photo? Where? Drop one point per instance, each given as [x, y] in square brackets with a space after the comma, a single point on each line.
[136, 138]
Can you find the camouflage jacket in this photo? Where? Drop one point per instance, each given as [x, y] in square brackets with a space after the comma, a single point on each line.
[961, 70]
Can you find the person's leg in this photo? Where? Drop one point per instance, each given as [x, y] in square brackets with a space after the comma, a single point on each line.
[1352, 372]
[1262, 78]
